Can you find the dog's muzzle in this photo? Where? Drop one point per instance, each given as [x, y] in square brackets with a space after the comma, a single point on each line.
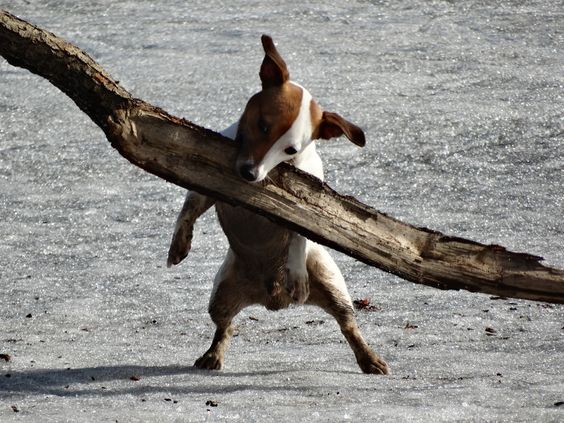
[248, 172]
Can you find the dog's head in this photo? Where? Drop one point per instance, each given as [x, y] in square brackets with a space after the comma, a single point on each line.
[280, 121]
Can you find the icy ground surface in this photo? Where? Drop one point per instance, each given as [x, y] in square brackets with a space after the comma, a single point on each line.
[462, 103]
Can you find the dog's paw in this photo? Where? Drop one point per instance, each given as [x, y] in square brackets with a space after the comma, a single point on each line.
[209, 361]
[373, 364]
[297, 284]
[180, 245]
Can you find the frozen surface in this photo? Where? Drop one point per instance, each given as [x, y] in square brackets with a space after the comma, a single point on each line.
[462, 103]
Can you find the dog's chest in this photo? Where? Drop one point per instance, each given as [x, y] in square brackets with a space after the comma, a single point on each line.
[252, 235]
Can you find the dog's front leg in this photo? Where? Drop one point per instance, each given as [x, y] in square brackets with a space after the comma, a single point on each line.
[297, 281]
[194, 206]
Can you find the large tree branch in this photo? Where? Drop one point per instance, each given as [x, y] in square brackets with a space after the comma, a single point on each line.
[196, 158]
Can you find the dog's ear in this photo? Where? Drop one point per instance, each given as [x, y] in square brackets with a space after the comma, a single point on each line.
[273, 71]
[333, 125]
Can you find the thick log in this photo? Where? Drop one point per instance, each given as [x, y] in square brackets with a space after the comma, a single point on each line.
[199, 159]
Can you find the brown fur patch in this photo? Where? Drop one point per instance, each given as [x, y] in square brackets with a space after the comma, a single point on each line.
[268, 115]
[331, 125]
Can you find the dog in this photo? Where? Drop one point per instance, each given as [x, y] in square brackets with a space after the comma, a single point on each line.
[266, 263]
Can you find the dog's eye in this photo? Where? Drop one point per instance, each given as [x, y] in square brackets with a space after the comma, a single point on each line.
[263, 127]
[290, 151]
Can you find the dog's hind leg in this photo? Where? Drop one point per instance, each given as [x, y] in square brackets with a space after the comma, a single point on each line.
[226, 301]
[328, 291]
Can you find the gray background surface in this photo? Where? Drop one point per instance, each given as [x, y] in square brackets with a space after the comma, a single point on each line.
[462, 107]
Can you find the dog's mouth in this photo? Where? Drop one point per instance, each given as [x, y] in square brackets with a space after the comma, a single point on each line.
[251, 179]
[261, 183]
[251, 173]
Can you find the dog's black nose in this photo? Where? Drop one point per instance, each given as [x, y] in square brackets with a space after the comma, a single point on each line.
[248, 173]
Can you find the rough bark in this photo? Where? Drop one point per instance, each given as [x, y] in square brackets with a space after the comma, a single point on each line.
[199, 159]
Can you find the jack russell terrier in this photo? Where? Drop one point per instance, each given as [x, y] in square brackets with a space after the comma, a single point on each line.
[266, 263]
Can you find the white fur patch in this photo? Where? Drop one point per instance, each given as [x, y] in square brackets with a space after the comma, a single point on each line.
[335, 278]
[297, 281]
